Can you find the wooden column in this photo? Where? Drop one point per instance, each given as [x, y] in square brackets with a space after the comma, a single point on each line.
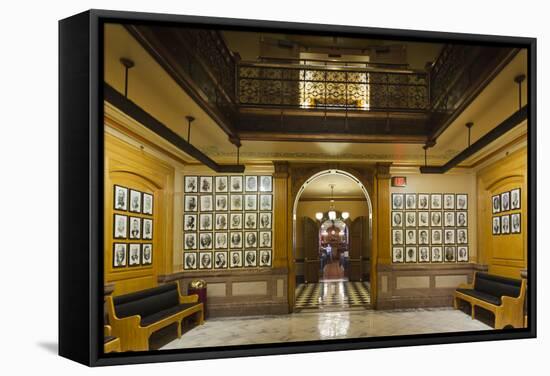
[281, 215]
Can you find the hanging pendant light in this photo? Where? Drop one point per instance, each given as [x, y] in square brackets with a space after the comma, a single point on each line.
[332, 212]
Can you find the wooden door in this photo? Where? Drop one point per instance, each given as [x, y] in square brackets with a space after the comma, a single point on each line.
[311, 250]
[357, 234]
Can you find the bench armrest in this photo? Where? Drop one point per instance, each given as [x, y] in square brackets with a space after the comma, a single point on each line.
[509, 300]
[466, 286]
[194, 298]
[107, 330]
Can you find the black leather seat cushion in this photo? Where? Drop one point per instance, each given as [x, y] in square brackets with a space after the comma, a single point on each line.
[107, 339]
[497, 286]
[147, 302]
[153, 318]
[482, 296]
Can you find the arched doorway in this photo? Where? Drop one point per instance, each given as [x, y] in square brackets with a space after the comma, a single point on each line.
[354, 237]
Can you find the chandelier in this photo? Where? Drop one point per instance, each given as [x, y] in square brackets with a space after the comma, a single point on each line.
[331, 214]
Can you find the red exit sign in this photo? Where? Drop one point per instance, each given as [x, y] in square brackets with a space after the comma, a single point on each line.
[398, 181]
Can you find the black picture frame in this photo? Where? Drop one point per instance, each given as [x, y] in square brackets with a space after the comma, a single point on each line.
[265, 183]
[220, 260]
[134, 234]
[116, 264]
[265, 258]
[515, 205]
[152, 228]
[151, 210]
[505, 201]
[436, 255]
[117, 234]
[221, 184]
[137, 248]
[191, 184]
[190, 261]
[124, 205]
[137, 194]
[398, 201]
[515, 227]
[495, 204]
[235, 255]
[398, 255]
[496, 225]
[146, 259]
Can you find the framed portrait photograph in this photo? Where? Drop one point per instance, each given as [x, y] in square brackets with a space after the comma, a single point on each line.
[147, 229]
[265, 258]
[410, 219]
[435, 219]
[410, 201]
[135, 201]
[221, 183]
[423, 219]
[190, 261]
[398, 256]
[266, 183]
[462, 254]
[397, 201]
[410, 236]
[437, 254]
[462, 236]
[220, 260]
[221, 221]
[148, 204]
[235, 259]
[146, 254]
[120, 198]
[235, 183]
[205, 184]
[496, 204]
[190, 241]
[250, 202]
[250, 239]
[206, 222]
[449, 219]
[423, 237]
[410, 254]
[435, 201]
[265, 202]
[505, 224]
[449, 236]
[251, 183]
[437, 236]
[397, 237]
[265, 239]
[515, 199]
[206, 203]
[220, 240]
[191, 184]
[236, 202]
[236, 239]
[516, 223]
[189, 222]
[250, 221]
[119, 255]
[191, 203]
[205, 260]
[265, 221]
[120, 226]
[135, 228]
[504, 201]
[134, 254]
[205, 240]
[236, 221]
[397, 219]
[450, 254]
[448, 201]
[250, 259]
[496, 225]
[222, 202]
[424, 254]
[462, 219]
[461, 201]
[423, 201]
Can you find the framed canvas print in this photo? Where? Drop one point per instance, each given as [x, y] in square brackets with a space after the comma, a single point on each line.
[233, 168]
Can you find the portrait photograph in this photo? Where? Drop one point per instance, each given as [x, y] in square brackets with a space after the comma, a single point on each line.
[205, 184]
[448, 201]
[222, 202]
[119, 255]
[423, 219]
[423, 254]
[190, 203]
[504, 201]
[221, 221]
[205, 222]
[120, 226]
[516, 223]
[437, 254]
[220, 260]
[450, 254]
[265, 257]
[515, 199]
[397, 255]
[462, 201]
[462, 219]
[206, 203]
[236, 221]
[410, 254]
[236, 259]
[265, 221]
[435, 201]
[189, 222]
[236, 202]
[251, 183]
[410, 201]
[222, 185]
[449, 236]
[423, 237]
[250, 202]
[148, 204]
[250, 221]
[205, 240]
[135, 201]
[220, 240]
[135, 228]
[496, 225]
[410, 219]
[397, 219]
[147, 229]
[423, 201]
[190, 241]
[236, 239]
[120, 198]
[265, 202]
[190, 261]
[436, 219]
[265, 239]
[205, 260]
[250, 239]
[449, 219]
[147, 254]
[437, 236]
[397, 237]
[236, 184]
[134, 254]
[496, 204]
[397, 201]
[410, 236]
[266, 183]
[505, 224]
[462, 236]
[250, 258]
[191, 184]
[462, 254]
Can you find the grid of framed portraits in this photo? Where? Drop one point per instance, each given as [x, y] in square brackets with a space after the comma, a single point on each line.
[429, 227]
[227, 222]
[506, 202]
[132, 221]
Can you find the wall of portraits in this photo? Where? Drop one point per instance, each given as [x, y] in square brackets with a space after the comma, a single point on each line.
[506, 209]
[227, 222]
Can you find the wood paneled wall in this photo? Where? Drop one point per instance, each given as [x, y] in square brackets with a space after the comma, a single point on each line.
[505, 255]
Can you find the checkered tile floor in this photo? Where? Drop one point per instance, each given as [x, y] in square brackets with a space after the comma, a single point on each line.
[332, 296]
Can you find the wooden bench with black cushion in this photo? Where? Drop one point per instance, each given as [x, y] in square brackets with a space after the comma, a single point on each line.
[134, 317]
[502, 296]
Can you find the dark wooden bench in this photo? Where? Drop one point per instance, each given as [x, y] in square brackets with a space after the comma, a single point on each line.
[502, 296]
[134, 317]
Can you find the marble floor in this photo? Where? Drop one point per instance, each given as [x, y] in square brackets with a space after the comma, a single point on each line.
[324, 326]
[333, 295]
